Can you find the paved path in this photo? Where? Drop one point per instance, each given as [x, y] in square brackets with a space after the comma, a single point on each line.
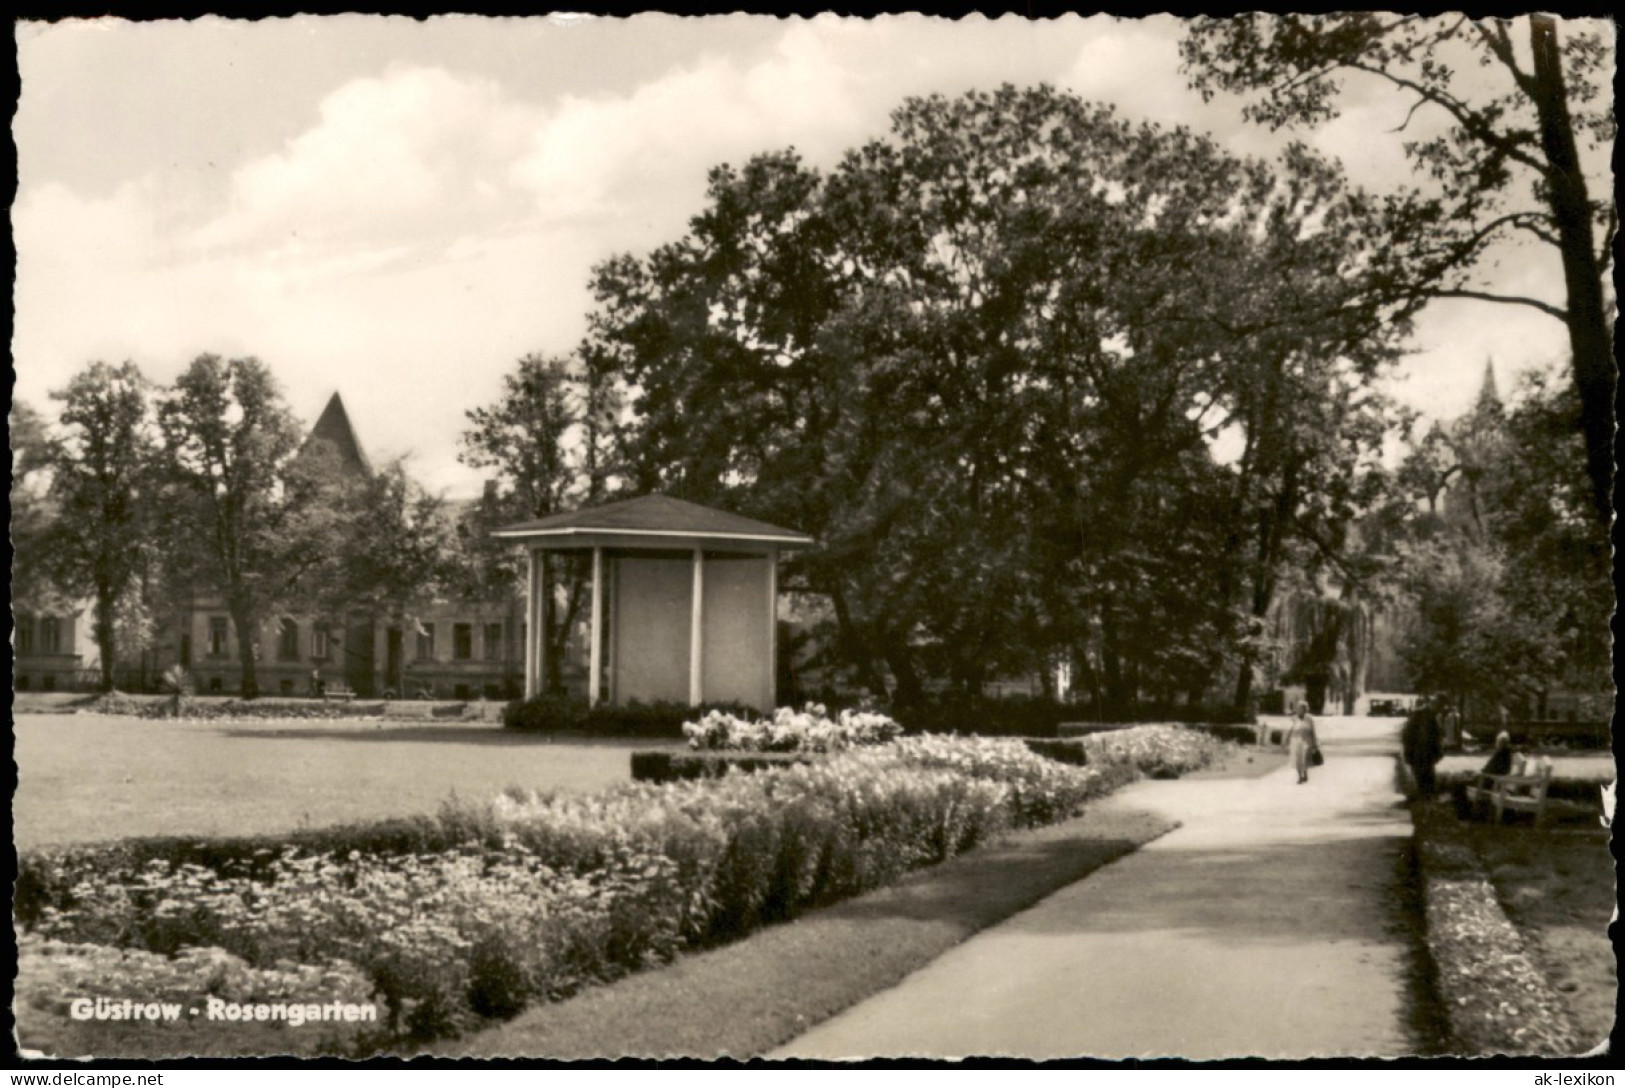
[1265, 926]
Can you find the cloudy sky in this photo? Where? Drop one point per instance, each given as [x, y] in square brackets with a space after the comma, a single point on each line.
[397, 210]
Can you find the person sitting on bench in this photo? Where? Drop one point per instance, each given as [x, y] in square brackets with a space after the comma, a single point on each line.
[1501, 759]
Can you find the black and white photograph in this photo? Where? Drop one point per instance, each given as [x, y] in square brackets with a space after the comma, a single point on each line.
[814, 541]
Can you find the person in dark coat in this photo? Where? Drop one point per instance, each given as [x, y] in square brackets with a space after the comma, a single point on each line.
[1500, 761]
[1422, 742]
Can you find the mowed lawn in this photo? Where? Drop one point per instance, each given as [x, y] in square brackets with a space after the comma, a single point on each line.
[86, 778]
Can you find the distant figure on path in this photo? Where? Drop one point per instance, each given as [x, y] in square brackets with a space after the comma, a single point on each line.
[1422, 744]
[318, 686]
[1301, 740]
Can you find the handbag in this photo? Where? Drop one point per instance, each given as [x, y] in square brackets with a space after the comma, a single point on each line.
[1315, 758]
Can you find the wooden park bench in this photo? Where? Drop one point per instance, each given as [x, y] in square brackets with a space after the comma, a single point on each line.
[337, 691]
[1503, 793]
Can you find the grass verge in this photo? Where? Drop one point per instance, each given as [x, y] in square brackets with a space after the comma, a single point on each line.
[747, 998]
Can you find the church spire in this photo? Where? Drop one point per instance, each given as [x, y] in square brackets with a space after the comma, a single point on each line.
[335, 429]
[1489, 395]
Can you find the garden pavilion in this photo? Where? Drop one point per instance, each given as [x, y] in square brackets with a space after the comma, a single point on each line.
[684, 600]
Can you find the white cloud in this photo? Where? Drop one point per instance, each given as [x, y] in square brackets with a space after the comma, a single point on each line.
[646, 153]
[408, 154]
[428, 225]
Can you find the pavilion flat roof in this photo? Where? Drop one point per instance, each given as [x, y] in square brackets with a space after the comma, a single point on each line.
[652, 518]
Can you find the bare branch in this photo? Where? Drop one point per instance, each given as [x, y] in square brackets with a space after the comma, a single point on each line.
[1410, 113]
[1474, 125]
[1516, 300]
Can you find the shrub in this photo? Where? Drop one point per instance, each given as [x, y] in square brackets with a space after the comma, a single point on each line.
[546, 714]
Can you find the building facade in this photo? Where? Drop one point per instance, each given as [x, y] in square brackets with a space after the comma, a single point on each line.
[442, 649]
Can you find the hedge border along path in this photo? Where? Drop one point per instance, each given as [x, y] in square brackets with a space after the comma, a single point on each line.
[746, 998]
[1497, 1001]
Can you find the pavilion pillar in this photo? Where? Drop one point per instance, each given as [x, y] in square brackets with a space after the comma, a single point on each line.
[533, 601]
[696, 634]
[772, 631]
[595, 655]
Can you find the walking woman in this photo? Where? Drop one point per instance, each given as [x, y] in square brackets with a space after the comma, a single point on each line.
[1301, 740]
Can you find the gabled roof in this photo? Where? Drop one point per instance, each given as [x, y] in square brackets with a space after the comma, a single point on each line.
[655, 516]
[335, 429]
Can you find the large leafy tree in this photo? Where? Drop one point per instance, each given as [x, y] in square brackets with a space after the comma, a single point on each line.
[393, 547]
[251, 520]
[982, 362]
[1508, 574]
[104, 494]
[550, 443]
[1524, 122]
[33, 582]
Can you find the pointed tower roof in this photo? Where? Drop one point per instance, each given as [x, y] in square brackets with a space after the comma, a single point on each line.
[1489, 394]
[334, 428]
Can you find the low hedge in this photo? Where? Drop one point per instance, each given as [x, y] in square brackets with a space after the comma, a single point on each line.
[1064, 749]
[570, 714]
[1235, 733]
[985, 717]
[682, 766]
[1038, 717]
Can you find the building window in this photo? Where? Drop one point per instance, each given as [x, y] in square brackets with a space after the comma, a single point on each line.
[493, 642]
[50, 635]
[462, 641]
[217, 636]
[25, 635]
[425, 642]
[318, 643]
[287, 642]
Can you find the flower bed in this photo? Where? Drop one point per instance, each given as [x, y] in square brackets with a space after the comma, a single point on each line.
[1496, 999]
[1156, 751]
[481, 910]
[810, 729]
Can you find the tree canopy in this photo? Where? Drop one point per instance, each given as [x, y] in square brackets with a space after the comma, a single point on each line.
[104, 493]
[985, 361]
[1526, 123]
[260, 520]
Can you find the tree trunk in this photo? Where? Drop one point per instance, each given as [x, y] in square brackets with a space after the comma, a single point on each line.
[1111, 664]
[854, 647]
[1587, 319]
[900, 660]
[105, 640]
[558, 633]
[242, 619]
